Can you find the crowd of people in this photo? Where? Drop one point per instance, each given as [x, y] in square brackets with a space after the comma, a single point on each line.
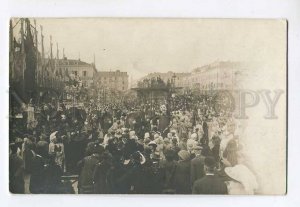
[127, 150]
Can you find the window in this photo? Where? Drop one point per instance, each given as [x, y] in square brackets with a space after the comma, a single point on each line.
[84, 73]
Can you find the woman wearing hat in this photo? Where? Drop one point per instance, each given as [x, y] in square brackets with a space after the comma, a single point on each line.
[243, 181]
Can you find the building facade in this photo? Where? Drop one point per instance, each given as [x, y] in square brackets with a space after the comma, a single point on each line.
[112, 80]
[169, 76]
[80, 70]
[222, 75]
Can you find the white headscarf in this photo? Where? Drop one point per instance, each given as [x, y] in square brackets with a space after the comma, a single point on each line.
[243, 175]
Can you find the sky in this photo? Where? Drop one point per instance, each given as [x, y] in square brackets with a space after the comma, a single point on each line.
[141, 46]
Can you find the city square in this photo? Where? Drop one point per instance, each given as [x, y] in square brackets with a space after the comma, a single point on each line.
[77, 127]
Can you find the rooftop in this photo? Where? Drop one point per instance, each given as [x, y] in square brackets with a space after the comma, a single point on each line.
[71, 62]
[111, 73]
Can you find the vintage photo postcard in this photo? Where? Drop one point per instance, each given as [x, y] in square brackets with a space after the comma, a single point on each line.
[147, 106]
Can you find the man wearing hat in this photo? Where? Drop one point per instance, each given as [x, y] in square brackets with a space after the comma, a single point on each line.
[197, 165]
[210, 183]
[87, 167]
[183, 173]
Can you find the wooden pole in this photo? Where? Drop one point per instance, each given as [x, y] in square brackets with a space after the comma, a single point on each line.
[42, 57]
[23, 55]
[51, 65]
[37, 55]
[57, 51]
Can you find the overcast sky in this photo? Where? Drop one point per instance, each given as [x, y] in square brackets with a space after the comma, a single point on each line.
[141, 46]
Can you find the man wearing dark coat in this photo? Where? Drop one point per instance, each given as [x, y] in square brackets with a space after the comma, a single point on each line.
[37, 179]
[197, 165]
[102, 175]
[210, 183]
[204, 139]
[16, 169]
[183, 173]
[87, 167]
[163, 121]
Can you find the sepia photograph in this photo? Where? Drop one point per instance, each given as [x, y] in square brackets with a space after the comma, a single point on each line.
[147, 106]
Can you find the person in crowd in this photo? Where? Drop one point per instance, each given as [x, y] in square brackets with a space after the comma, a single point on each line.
[182, 173]
[56, 148]
[227, 136]
[216, 147]
[53, 173]
[210, 183]
[164, 149]
[231, 152]
[152, 145]
[102, 175]
[191, 143]
[44, 145]
[204, 140]
[16, 170]
[242, 180]
[37, 180]
[27, 151]
[133, 176]
[86, 168]
[183, 142]
[197, 165]
[168, 171]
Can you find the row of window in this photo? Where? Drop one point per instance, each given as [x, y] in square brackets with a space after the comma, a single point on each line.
[212, 85]
[111, 82]
[112, 78]
[84, 73]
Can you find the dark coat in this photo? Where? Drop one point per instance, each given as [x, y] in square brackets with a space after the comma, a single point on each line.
[87, 167]
[210, 184]
[197, 168]
[168, 175]
[37, 179]
[53, 182]
[152, 177]
[182, 177]
[216, 152]
[102, 178]
[131, 181]
[16, 169]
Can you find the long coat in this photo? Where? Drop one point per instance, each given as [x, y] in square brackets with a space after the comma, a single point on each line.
[37, 179]
[85, 180]
[197, 168]
[102, 178]
[182, 177]
[168, 174]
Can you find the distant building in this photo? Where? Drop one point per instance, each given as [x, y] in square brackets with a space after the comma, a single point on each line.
[112, 80]
[169, 76]
[222, 75]
[85, 72]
